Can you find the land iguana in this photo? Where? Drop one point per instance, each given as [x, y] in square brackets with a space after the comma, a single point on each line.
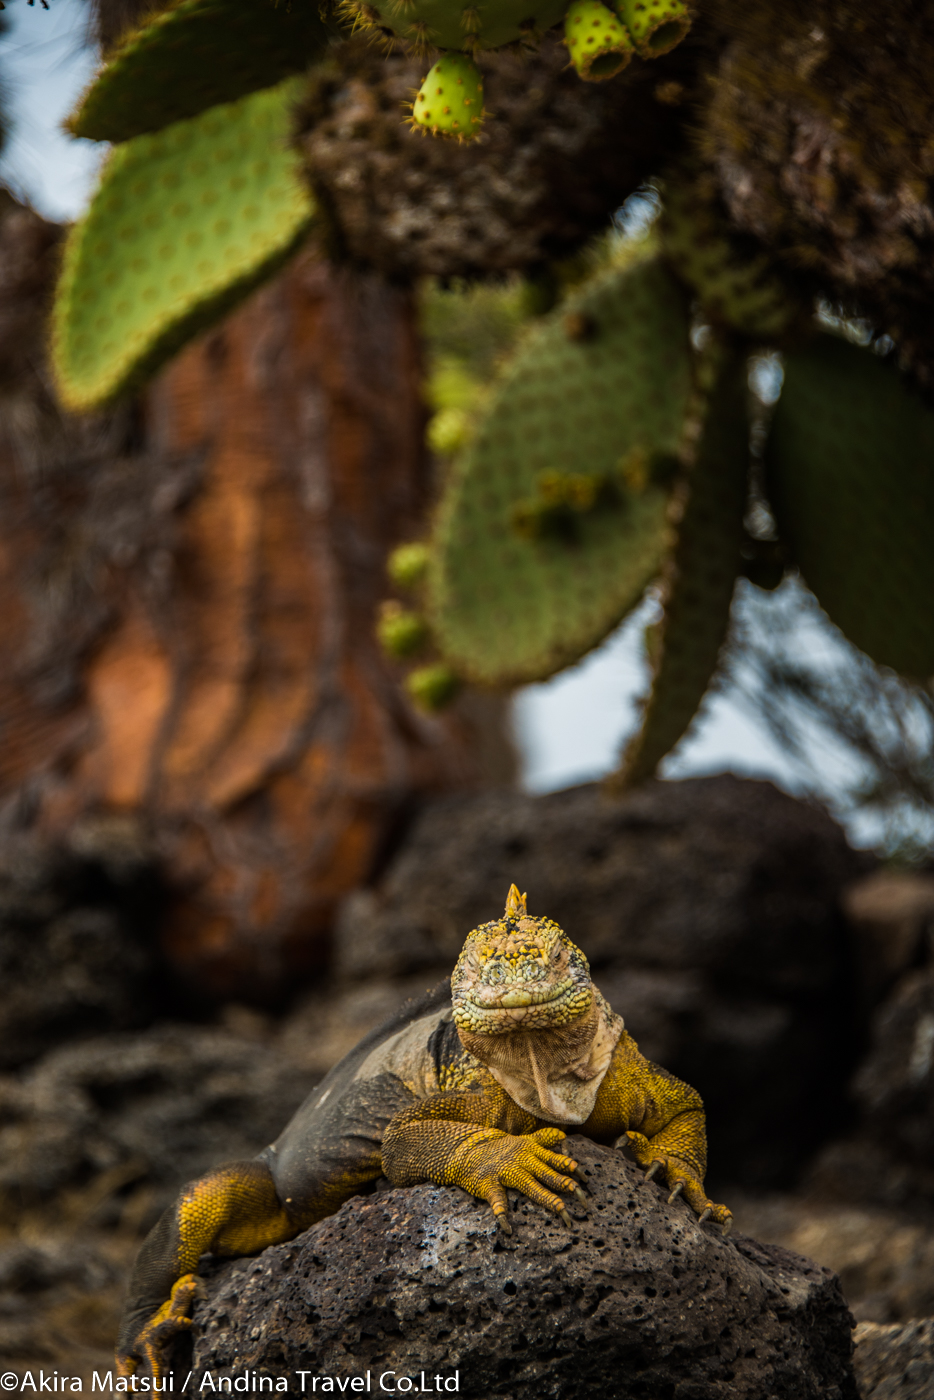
[471, 1088]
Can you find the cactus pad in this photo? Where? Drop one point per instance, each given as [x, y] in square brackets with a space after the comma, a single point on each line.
[850, 463]
[599, 45]
[192, 56]
[450, 100]
[655, 25]
[449, 24]
[184, 224]
[608, 373]
[700, 575]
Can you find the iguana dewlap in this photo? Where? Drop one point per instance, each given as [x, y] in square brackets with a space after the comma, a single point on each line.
[470, 1088]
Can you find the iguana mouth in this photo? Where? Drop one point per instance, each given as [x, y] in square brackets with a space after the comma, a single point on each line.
[520, 996]
[528, 1008]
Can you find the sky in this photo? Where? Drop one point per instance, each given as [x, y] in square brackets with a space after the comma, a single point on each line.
[569, 729]
[44, 66]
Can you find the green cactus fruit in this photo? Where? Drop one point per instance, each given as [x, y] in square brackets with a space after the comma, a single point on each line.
[655, 25]
[450, 100]
[608, 372]
[700, 575]
[399, 631]
[433, 687]
[736, 283]
[185, 223]
[850, 476]
[408, 565]
[599, 45]
[450, 24]
[193, 55]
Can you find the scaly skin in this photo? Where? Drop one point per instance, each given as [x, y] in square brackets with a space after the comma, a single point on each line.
[474, 1091]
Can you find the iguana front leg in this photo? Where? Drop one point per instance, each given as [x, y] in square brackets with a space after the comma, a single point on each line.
[661, 1119]
[453, 1140]
[234, 1210]
[680, 1151]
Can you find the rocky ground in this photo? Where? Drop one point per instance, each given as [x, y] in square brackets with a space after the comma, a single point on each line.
[748, 948]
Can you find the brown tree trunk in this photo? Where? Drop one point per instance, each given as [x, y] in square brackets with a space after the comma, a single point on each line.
[209, 666]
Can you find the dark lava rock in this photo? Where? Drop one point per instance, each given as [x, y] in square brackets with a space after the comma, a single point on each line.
[889, 1160]
[710, 911]
[156, 1108]
[77, 955]
[638, 1301]
[895, 1083]
[895, 1363]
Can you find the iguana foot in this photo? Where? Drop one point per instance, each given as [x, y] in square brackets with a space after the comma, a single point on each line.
[680, 1178]
[490, 1161]
[164, 1324]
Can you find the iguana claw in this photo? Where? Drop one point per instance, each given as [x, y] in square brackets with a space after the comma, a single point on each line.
[652, 1170]
[705, 1215]
[164, 1324]
[565, 1219]
[679, 1187]
[580, 1196]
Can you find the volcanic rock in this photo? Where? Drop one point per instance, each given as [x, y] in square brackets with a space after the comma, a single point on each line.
[895, 1363]
[154, 1109]
[636, 1300]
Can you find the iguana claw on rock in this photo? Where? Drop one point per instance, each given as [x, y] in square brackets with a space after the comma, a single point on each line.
[471, 1088]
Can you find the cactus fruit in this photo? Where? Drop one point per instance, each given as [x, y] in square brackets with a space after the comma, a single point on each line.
[850, 476]
[450, 100]
[432, 687]
[408, 565]
[599, 45]
[400, 632]
[655, 25]
[562, 499]
[700, 574]
[192, 56]
[736, 283]
[505, 608]
[184, 224]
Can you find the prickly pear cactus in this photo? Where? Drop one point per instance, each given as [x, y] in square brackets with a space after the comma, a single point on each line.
[850, 462]
[701, 572]
[450, 100]
[607, 375]
[196, 53]
[184, 224]
[193, 55]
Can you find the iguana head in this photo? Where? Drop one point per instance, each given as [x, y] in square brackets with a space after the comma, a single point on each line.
[519, 973]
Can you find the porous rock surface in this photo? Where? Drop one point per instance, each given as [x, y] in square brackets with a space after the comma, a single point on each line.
[637, 1301]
